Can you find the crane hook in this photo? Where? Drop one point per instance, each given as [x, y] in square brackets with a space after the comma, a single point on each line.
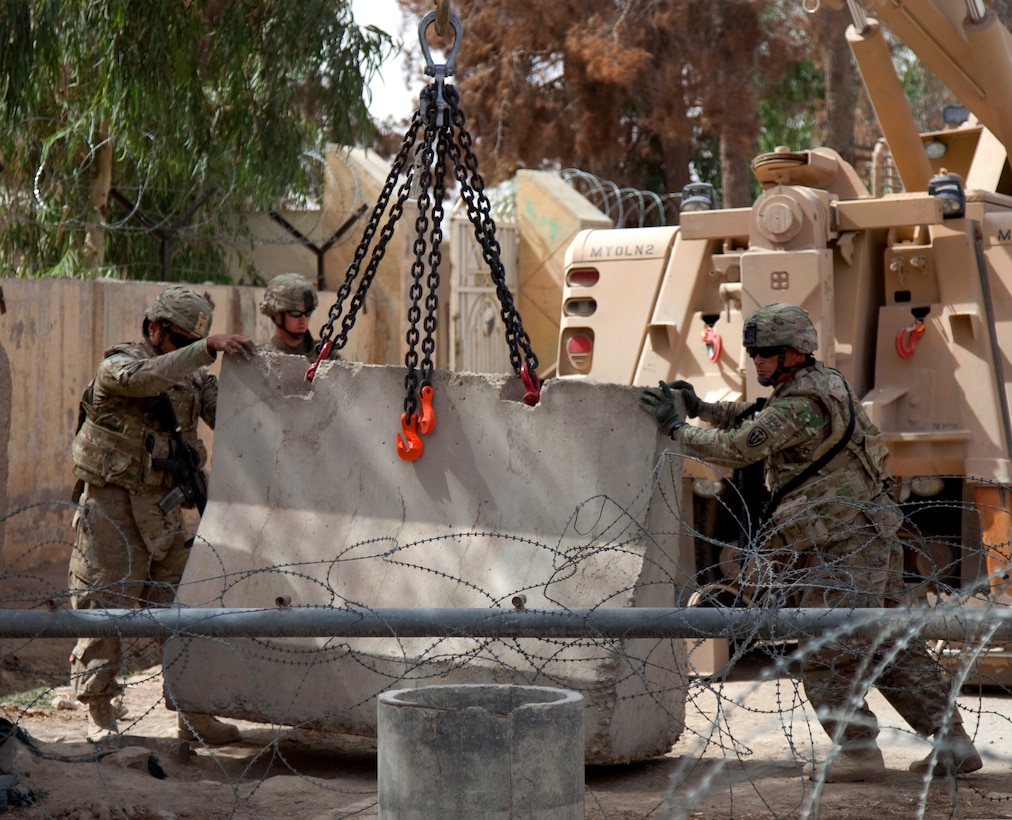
[907, 339]
[410, 446]
[324, 353]
[427, 416]
[532, 393]
[713, 342]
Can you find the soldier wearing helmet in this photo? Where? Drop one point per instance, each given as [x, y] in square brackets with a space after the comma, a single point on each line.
[289, 302]
[828, 537]
[789, 331]
[128, 550]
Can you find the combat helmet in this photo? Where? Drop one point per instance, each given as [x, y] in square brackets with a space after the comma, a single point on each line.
[289, 291]
[183, 307]
[780, 325]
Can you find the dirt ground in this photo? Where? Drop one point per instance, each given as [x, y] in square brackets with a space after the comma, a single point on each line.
[739, 766]
[747, 737]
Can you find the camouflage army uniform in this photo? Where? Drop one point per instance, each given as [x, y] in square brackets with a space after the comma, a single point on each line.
[829, 543]
[127, 553]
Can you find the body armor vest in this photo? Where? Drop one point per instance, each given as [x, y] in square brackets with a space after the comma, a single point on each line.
[119, 440]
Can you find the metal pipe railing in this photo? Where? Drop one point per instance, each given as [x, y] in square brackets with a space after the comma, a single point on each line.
[950, 623]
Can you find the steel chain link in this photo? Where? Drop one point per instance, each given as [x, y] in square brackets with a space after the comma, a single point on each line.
[429, 171]
[336, 309]
[423, 167]
[479, 212]
[435, 256]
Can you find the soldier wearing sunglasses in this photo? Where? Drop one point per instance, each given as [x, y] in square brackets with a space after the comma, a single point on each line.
[130, 548]
[827, 538]
[289, 301]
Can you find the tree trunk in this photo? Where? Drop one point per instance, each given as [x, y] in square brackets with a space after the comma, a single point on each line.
[98, 200]
[735, 169]
[840, 83]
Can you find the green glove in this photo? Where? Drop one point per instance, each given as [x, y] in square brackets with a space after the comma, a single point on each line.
[692, 402]
[666, 406]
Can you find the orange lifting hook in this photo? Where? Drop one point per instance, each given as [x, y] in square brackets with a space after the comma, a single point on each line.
[324, 353]
[532, 391]
[713, 343]
[907, 339]
[427, 417]
[409, 447]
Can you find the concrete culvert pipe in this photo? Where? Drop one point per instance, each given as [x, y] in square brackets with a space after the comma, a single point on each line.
[480, 752]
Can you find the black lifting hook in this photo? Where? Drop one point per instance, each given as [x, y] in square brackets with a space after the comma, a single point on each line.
[438, 71]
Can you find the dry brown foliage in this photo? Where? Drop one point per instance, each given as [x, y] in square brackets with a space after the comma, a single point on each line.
[626, 90]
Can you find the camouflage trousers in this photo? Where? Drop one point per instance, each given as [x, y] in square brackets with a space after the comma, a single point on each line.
[127, 554]
[856, 567]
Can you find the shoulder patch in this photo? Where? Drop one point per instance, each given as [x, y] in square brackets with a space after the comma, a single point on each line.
[756, 436]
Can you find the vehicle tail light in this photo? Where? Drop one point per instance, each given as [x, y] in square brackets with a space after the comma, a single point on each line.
[582, 277]
[580, 349]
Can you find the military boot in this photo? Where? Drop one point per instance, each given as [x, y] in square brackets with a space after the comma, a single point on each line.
[854, 764]
[955, 755]
[206, 729]
[101, 720]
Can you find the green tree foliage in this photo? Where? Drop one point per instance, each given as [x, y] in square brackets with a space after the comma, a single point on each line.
[787, 107]
[194, 111]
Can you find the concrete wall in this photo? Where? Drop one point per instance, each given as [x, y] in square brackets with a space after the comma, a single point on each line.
[506, 499]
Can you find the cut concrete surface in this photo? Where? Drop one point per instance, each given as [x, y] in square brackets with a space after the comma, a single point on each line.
[564, 503]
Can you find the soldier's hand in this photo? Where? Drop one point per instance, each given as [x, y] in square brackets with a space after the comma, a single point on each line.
[234, 344]
[666, 406]
[692, 402]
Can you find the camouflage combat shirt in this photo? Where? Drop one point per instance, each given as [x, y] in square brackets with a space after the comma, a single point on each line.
[802, 419]
[120, 438]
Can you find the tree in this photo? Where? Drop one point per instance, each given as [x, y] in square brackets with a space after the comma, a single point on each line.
[169, 105]
[651, 93]
[829, 28]
[640, 92]
[727, 85]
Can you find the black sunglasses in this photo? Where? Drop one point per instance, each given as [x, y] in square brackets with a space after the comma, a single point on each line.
[764, 352]
[298, 314]
[178, 339]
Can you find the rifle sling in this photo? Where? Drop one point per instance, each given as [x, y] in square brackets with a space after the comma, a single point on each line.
[815, 466]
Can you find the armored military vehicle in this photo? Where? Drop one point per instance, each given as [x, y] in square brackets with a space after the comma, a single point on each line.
[909, 289]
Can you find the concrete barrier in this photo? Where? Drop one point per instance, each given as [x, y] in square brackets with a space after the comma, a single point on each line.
[561, 504]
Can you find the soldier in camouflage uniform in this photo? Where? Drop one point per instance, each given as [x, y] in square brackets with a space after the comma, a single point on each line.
[127, 551]
[830, 539]
[289, 302]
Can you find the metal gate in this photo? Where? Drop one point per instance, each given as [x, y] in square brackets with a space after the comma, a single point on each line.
[477, 332]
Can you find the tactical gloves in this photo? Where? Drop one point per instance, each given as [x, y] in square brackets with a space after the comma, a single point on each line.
[666, 405]
[692, 401]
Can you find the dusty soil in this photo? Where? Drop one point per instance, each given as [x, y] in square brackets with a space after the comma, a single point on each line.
[741, 756]
[739, 767]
